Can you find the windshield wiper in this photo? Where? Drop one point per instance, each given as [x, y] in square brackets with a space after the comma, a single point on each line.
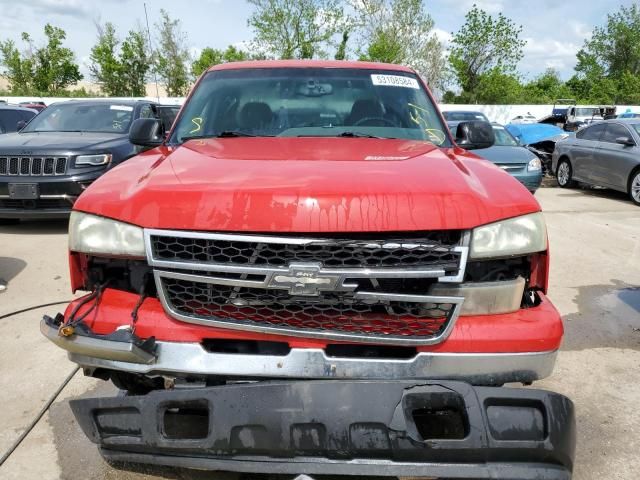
[349, 134]
[223, 134]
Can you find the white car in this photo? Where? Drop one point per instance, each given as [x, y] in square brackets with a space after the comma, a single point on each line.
[528, 118]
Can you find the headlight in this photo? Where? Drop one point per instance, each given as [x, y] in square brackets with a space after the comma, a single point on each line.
[98, 235]
[516, 236]
[534, 165]
[93, 160]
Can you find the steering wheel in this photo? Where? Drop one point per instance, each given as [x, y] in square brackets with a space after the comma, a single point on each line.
[364, 120]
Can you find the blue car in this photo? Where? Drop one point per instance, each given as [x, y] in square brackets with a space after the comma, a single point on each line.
[508, 154]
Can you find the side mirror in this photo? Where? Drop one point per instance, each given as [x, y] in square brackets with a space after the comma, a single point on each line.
[20, 125]
[146, 132]
[474, 135]
[626, 141]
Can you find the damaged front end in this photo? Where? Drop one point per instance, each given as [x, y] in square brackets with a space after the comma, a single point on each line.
[384, 428]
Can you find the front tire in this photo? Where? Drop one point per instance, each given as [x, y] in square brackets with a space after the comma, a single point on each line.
[634, 187]
[564, 174]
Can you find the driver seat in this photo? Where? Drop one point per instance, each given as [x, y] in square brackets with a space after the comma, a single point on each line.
[364, 108]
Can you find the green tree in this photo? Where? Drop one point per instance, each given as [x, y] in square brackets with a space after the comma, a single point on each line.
[172, 58]
[120, 68]
[54, 65]
[608, 68]
[47, 69]
[296, 28]
[105, 66]
[546, 88]
[401, 31]
[341, 52]
[17, 67]
[614, 48]
[136, 63]
[212, 56]
[484, 45]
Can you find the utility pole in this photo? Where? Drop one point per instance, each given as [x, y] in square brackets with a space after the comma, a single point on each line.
[155, 74]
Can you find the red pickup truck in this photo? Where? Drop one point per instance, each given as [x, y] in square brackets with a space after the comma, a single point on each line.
[309, 274]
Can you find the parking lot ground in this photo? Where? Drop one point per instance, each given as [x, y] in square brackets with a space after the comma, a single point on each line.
[595, 283]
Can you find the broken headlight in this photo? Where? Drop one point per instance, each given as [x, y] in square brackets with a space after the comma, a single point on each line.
[102, 236]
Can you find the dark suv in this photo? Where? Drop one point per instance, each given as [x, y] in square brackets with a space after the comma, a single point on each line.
[45, 166]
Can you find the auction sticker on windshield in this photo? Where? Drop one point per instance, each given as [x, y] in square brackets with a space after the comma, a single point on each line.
[124, 108]
[394, 81]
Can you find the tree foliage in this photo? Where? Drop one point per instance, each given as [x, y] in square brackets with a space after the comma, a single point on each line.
[172, 57]
[608, 69]
[211, 56]
[47, 69]
[120, 68]
[485, 46]
[289, 29]
[401, 31]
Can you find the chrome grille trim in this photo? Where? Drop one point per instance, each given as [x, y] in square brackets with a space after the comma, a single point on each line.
[33, 166]
[456, 302]
[235, 275]
[407, 272]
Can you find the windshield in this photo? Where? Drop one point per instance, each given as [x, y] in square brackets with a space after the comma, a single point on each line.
[464, 116]
[587, 112]
[73, 117]
[310, 102]
[504, 138]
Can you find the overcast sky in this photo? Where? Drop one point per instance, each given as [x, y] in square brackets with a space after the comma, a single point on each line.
[554, 29]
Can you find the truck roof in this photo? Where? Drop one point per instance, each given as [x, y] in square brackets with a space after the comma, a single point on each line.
[310, 64]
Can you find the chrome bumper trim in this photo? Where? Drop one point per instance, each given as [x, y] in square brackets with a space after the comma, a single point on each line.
[182, 359]
[98, 348]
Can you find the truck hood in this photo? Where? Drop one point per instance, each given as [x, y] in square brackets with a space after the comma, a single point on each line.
[58, 141]
[307, 185]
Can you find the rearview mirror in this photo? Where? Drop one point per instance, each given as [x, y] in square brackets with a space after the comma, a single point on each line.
[626, 141]
[20, 125]
[474, 135]
[146, 132]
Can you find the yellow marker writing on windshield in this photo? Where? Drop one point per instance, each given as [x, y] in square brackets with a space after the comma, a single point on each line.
[197, 121]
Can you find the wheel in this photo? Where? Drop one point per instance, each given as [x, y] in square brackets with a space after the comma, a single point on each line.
[634, 187]
[564, 174]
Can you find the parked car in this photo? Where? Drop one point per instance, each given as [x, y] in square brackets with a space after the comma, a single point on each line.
[515, 159]
[35, 105]
[61, 151]
[310, 273]
[605, 154]
[12, 117]
[455, 117]
[526, 118]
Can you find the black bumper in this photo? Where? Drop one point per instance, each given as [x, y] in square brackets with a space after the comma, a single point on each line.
[382, 428]
[56, 195]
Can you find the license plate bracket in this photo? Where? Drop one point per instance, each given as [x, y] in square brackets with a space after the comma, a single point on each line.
[24, 191]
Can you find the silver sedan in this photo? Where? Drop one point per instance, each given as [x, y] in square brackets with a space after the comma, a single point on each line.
[605, 154]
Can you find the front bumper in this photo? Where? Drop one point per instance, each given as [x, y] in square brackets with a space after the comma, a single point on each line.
[192, 359]
[56, 195]
[382, 428]
[530, 180]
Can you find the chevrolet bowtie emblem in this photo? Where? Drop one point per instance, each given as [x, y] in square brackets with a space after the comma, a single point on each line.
[305, 279]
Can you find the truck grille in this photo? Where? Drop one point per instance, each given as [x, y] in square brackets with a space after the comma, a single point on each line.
[353, 289]
[434, 249]
[33, 166]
